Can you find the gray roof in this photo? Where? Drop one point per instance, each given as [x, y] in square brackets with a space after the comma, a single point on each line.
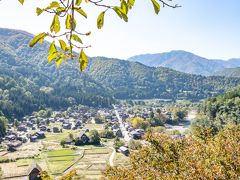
[123, 148]
[34, 166]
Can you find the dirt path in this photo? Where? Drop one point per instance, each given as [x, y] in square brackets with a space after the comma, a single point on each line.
[112, 157]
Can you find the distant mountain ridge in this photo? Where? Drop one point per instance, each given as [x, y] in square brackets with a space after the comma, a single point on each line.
[185, 62]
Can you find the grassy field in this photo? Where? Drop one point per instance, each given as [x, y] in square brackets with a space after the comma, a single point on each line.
[98, 127]
[59, 160]
[24, 162]
[57, 137]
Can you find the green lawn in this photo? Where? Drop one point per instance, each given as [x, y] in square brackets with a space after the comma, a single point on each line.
[60, 152]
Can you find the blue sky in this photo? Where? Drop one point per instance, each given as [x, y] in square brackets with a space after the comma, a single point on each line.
[209, 28]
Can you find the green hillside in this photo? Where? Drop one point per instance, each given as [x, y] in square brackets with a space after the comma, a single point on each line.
[29, 83]
[134, 80]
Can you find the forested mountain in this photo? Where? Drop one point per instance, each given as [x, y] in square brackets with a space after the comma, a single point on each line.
[229, 72]
[28, 82]
[185, 62]
[134, 80]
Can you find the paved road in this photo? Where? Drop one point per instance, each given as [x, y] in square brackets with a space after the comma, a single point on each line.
[122, 127]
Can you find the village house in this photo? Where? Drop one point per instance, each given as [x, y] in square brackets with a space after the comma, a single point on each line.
[29, 124]
[61, 119]
[68, 141]
[12, 146]
[83, 137]
[67, 126]
[33, 138]
[52, 120]
[115, 126]
[43, 128]
[135, 135]
[34, 172]
[56, 130]
[40, 135]
[11, 137]
[22, 128]
[117, 132]
[124, 150]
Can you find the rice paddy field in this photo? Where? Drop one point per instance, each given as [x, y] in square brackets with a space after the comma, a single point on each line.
[89, 161]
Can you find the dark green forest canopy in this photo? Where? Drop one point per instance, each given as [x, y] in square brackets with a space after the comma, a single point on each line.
[28, 83]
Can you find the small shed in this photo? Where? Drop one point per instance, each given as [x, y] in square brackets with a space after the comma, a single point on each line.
[34, 172]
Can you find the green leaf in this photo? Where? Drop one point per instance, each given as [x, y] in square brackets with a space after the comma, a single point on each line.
[59, 61]
[21, 1]
[130, 3]
[39, 11]
[52, 48]
[54, 4]
[120, 13]
[76, 38]
[124, 6]
[80, 11]
[60, 9]
[117, 10]
[78, 2]
[83, 60]
[68, 21]
[156, 6]
[100, 20]
[37, 38]
[62, 45]
[55, 24]
[51, 57]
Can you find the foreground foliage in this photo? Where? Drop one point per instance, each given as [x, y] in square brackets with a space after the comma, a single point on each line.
[219, 111]
[214, 157]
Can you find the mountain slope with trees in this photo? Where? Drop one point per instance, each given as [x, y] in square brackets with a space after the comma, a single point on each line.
[229, 72]
[28, 83]
[132, 80]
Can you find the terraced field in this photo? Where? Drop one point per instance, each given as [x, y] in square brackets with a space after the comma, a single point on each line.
[93, 163]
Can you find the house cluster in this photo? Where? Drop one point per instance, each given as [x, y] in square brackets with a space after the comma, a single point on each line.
[32, 128]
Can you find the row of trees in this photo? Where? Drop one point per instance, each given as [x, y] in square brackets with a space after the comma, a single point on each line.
[158, 118]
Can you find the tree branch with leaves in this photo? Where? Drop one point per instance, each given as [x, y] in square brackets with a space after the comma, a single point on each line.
[71, 40]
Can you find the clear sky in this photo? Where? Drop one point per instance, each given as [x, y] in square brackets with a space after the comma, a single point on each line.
[209, 28]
